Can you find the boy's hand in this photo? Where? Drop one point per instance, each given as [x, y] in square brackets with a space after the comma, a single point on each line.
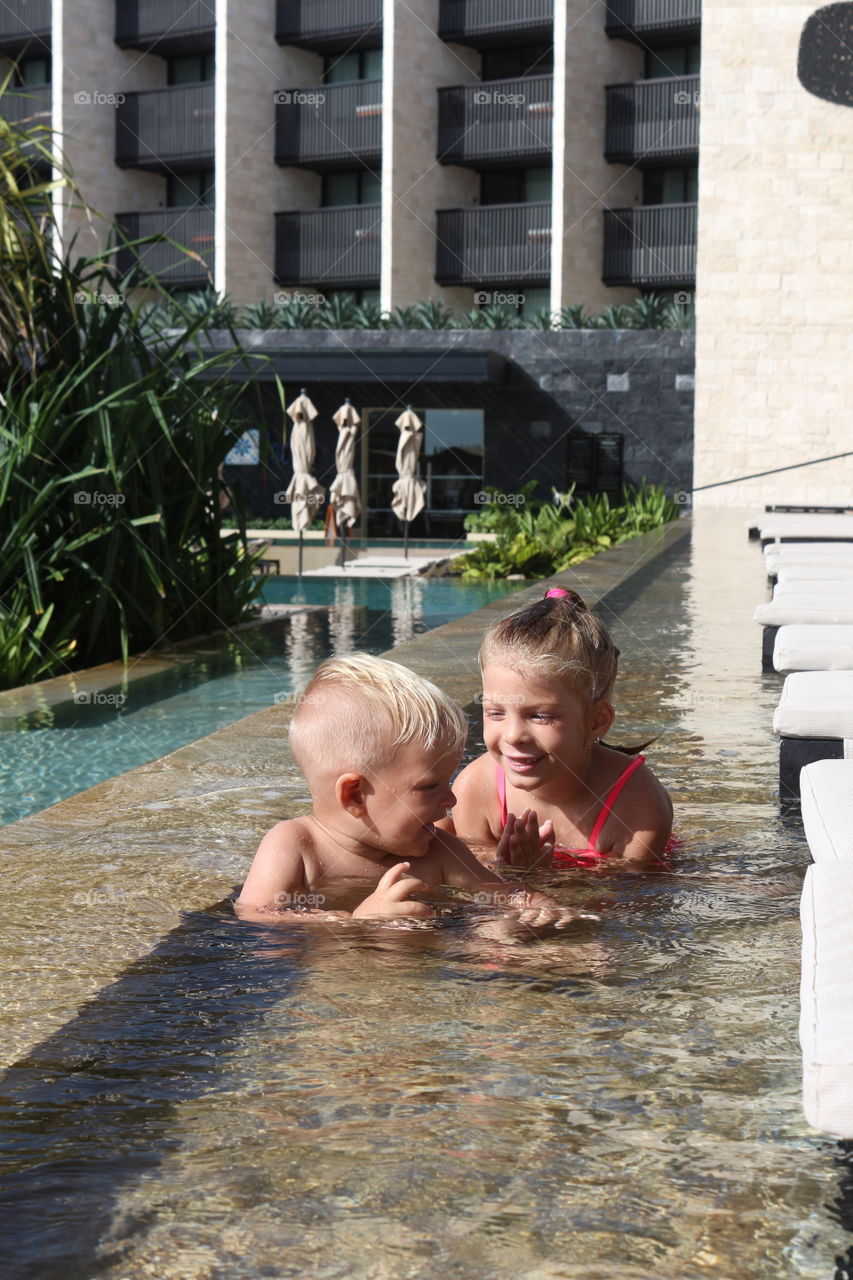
[524, 843]
[540, 911]
[389, 896]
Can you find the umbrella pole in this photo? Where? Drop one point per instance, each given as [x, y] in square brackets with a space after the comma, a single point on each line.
[343, 543]
[300, 553]
[405, 539]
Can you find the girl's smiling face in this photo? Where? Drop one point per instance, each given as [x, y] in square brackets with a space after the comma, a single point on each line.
[538, 728]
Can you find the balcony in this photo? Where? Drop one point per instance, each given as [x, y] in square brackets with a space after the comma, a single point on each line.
[166, 26]
[494, 244]
[496, 121]
[191, 227]
[24, 24]
[666, 21]
[166, 130]
[483, 23]
[31, 104]
[653, 121]
[329, 26]
[331, 126]
[651, 246]
[336, 247]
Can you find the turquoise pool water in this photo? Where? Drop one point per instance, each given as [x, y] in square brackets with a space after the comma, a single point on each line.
[59, 752]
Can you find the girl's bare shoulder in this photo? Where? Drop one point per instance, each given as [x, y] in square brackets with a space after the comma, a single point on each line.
[476, 798]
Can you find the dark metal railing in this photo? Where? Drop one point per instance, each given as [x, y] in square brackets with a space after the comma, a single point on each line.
[496, 120]
[191, 227]
[325, 24]
[499, 243]
[24, 103]
[164, 129]
[627, 18]
[650, 246]
[329, 125]
[336, 247]
[23, 20]
[463, 20]
[653, 120]
[141, 23]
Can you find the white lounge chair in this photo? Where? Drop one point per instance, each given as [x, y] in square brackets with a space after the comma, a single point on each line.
[813, 648]
[826, 1003]
[814, 721]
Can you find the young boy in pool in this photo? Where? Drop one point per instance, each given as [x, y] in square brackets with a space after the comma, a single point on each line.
[548, 675]
[378, 746]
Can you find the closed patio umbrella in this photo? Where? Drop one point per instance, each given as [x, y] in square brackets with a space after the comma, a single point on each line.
[344, 495]
[408, 493]
[303, 493]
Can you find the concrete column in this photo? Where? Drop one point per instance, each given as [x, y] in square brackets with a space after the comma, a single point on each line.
[584, 184]
[250, 187]
[414, 184]
[774, 290]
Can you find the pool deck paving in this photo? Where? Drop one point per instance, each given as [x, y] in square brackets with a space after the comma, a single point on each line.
[100, 877]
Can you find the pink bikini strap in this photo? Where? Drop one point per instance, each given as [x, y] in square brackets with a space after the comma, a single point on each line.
[611, 798]
[501, 782]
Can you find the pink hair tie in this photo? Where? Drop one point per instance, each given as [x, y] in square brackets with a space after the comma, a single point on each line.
[557, 591]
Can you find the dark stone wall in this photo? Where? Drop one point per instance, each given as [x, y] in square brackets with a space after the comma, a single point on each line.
[638, 383]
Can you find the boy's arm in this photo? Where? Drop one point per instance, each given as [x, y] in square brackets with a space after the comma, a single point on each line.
[277, 873]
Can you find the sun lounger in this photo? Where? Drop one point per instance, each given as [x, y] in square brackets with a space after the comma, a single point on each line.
[813, 648]
[814, 720]
[813, 588]
[826, 804]
[842, 571]
[771, 527]
[797, 610]
[826, 1006]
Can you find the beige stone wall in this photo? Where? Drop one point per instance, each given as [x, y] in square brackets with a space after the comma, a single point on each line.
[415, 185]
[775, 269]
[250, 187]
[584, 184]
[86, 61]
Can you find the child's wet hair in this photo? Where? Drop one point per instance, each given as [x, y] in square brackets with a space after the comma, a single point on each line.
[358, 710]
[559, 637]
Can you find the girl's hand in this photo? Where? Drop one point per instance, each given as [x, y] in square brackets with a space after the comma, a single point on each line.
[389, 896]
[524, 843]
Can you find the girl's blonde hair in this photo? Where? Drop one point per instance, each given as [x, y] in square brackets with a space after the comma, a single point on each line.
[559, 637]
[358, 710]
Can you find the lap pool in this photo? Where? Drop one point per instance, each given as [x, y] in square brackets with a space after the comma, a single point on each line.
[62, 750]
[368, 1103]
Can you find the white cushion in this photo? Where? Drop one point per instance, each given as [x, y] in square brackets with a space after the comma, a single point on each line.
[826, 571]
[790, 524]
[808, 551]
[813, 648]
[826, 999]
[826, 801]
[816, 704]
[791, 609]
[812, 589]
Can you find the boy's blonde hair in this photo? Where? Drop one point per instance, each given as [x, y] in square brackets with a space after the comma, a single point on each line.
[559, 637]
[358, 710]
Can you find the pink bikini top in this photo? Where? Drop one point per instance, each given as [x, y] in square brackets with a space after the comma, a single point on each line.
[563, 856]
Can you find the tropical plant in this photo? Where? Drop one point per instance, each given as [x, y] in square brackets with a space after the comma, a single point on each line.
[339, 311]
[491, 317]
[575, 316]
[263, 315]
[434, 314]
[368, 315]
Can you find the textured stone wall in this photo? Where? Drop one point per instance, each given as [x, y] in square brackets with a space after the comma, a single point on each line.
[775, 270]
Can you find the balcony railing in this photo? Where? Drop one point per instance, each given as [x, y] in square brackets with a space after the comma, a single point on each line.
[651, 246]
[166, 129]
[329, 25]
[634, 19]
[191, 227]
[31, 104]
[24, 22]
[492, 22]
[334, 247]
[653, 120]
[499, 244]
[170, 26]
[329, 126]
[496, 121]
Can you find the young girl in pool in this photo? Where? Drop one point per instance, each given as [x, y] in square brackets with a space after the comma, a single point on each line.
[548, 675]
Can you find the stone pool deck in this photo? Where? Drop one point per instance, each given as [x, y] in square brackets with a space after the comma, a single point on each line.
[97, 879]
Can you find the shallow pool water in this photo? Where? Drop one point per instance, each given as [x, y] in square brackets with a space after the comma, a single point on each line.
[63, 750]
[370, 1103]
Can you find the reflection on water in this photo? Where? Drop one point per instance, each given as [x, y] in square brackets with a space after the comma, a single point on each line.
[363, 1102]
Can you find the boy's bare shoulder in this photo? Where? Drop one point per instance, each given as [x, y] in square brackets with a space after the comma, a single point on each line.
[282, 865]
[449, 861]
